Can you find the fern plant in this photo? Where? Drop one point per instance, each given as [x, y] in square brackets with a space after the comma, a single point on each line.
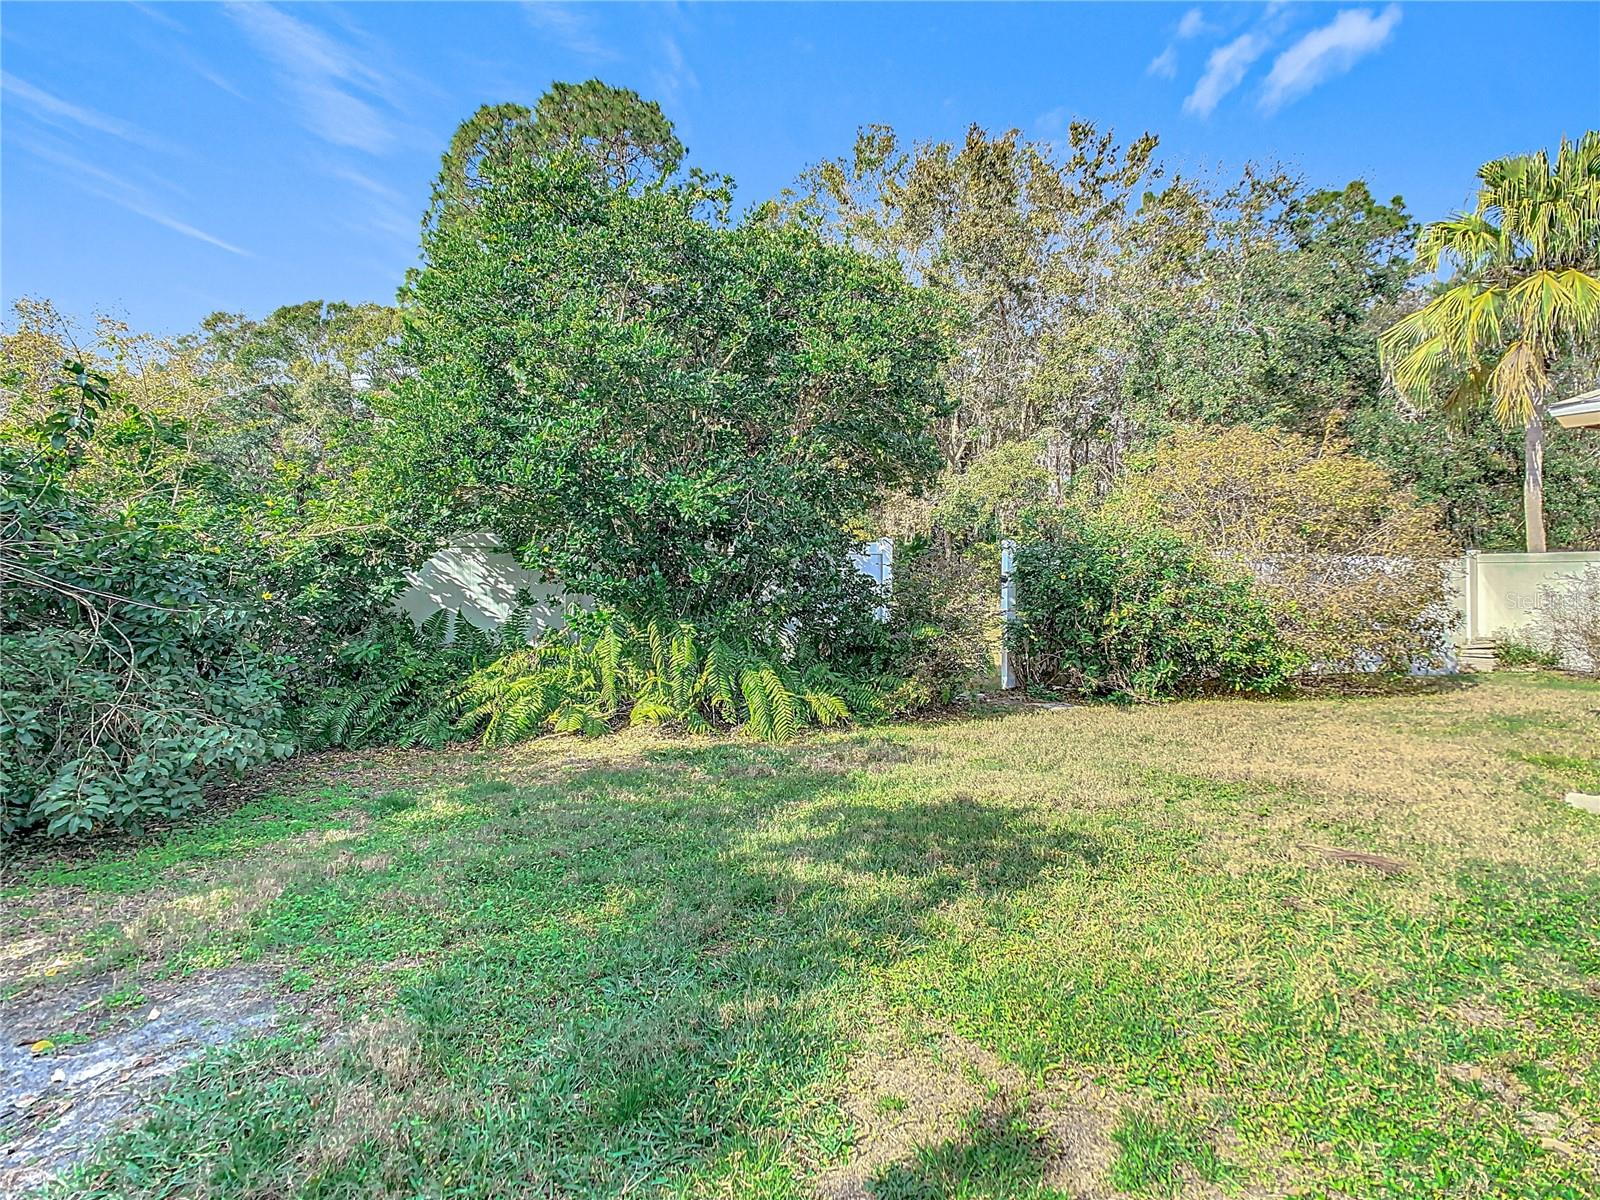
[425, 687]
[651, 672]
[386, 686]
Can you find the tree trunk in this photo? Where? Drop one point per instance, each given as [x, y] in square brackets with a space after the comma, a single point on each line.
[1533, 481]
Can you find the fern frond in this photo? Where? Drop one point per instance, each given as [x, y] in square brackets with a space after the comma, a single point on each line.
[775, 715]
[652, 712]
[683, 667]
[338, 726]
[718, 680]
[758, 721]
[827, 708]
[658, 648]
[608, 654]
[573, 717]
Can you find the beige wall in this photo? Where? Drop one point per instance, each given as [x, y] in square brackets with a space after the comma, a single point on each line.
[1499, 593]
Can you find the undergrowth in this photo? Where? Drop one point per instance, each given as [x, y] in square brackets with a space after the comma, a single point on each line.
[435, 685]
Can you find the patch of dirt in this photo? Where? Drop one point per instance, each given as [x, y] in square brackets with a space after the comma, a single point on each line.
[56, 1105]
[902, 1102]
[1497, 1082]
[1362, 858]
[875, 754]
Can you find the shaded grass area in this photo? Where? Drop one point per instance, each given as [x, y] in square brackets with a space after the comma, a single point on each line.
[1070, 953]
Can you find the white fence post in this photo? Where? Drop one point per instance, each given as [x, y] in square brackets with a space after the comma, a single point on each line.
[1008, 609]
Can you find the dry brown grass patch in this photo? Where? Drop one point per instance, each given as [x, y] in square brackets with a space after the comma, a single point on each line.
[902, 1100]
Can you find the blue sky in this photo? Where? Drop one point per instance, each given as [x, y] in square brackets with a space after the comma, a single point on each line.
[162, 161]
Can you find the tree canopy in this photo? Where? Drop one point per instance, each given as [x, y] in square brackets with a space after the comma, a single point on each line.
[626, 140]
[665, 411]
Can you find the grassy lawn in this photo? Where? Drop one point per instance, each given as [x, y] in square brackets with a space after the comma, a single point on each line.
[1063, 953]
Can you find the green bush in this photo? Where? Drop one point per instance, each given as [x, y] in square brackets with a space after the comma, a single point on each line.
[1347, 559]
[132, 674]
[413, 687]
[1515, 652]
[942, 621]
[1113, 610]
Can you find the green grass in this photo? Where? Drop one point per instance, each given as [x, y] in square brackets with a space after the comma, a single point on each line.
[1151, 1155]
[1011, 957]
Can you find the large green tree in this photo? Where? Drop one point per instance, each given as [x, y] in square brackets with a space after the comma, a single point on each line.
[663, 410]
[1520, 313]
[626, 140]
[298, 383]
[1091, 317]
[1253, 304]
[1013, 233]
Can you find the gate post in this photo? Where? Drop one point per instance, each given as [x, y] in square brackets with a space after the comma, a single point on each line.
[1008, 609]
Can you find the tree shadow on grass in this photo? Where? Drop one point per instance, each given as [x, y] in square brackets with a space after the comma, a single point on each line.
[995, 847]
[691, 914]
[617, 977]
[997, 1154]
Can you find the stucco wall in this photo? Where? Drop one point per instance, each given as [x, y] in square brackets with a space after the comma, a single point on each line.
[1499, 593]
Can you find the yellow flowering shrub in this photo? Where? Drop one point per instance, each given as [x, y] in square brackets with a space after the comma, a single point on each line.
[1351, 563]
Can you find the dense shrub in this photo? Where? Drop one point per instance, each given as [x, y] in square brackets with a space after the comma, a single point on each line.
[1569, 616]
[1351, 564]
[1116, 610]
[132, 674]
[247, 447]
[670, 413]
[943, 620]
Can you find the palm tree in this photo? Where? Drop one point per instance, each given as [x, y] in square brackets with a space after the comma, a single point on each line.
[1524, 297]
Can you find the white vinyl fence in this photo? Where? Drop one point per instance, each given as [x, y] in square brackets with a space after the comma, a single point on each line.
[477, 580]
[1495, 595]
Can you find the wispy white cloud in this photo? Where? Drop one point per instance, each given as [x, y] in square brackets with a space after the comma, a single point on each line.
[54, 110]
[1329, 50]
[1225, 70]
[386, 208]
[567, 27]
[673, 75]
[176, 48]
[202, 68]
[124, 193]
[155, 14]
[365, 182]
[177, 226]
[336, 88]
[1165, 64]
